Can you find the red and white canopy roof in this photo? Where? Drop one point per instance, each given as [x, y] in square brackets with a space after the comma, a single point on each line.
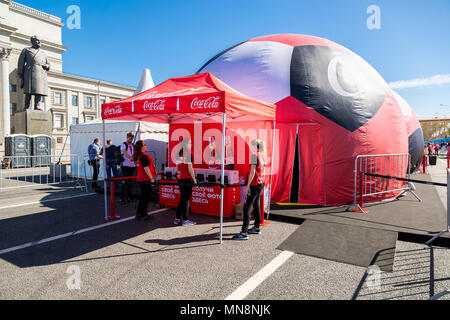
[189, 98]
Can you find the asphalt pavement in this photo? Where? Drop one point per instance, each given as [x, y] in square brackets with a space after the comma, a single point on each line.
[64, 249]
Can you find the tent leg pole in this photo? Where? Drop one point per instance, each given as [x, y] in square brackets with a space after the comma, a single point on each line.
[222, 178]
[271, 166]
[105, 189]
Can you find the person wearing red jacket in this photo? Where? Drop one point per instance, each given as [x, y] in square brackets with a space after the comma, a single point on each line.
[255, 188]
[146, 174]
[186, 180]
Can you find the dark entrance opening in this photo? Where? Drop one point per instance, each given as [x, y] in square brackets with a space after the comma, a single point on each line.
[295, 175]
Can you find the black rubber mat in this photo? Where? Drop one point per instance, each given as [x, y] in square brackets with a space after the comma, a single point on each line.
[349, 244]
[406, 216]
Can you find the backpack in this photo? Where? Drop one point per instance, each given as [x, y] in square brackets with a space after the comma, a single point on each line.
[118, 155]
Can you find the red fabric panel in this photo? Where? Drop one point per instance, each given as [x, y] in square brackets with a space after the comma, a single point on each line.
[284, 154]
[385, 133]
[240, 133]
[311, 164]
[259, 129]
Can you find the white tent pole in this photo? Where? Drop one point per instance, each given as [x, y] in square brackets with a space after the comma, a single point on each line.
[168, 148]
[222, 178]
[105, 189]
[271, 166]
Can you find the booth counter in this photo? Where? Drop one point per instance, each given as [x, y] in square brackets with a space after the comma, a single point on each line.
[204, 199]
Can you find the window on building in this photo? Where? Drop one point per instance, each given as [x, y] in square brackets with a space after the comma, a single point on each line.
[74, 120]
[12, 88]
[12, 108]
[102, 101]
[88, 102]
[58, 98]
[74, 100]
[89, 118]
[59, 121]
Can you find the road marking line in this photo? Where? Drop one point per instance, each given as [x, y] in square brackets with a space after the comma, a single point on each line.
[251, 284]
[50, 200]
[68, 234]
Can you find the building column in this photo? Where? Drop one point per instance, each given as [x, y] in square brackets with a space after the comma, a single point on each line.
[4, 76]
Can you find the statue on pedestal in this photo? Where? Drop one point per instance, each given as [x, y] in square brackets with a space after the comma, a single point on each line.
[32, 70]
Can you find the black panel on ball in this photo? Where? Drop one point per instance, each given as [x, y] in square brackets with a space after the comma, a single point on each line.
[336, 83]
[416, 146]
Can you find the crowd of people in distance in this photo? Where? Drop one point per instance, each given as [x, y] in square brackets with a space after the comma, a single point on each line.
[435, 148]
[135, 162]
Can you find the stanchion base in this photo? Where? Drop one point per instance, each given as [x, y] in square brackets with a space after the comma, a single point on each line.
[265, 223]
[113, 218]
[360, 210]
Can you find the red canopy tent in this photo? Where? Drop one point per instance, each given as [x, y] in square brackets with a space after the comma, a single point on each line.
[200, 97]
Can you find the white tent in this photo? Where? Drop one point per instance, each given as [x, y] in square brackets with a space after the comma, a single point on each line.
[156, 137]
[145, 83]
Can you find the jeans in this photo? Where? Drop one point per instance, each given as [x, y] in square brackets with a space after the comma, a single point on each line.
[253, 200]
[95, 164]
[126, 184]
[111, 165]
[146, 190]
[185, 186]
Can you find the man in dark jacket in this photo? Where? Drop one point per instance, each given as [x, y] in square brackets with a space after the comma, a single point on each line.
[95, 154]
[111, 159]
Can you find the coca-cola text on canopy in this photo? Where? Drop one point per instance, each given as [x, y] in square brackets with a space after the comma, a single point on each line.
[209, 103]
[112, 110]
[158, 105]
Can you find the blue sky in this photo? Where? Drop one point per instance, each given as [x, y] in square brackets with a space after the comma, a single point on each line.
[118, 39]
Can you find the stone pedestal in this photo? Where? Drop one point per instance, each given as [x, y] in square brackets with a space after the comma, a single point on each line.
[31, 122]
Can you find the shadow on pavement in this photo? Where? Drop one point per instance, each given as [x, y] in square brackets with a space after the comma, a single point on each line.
[413, 275]
[31, 224]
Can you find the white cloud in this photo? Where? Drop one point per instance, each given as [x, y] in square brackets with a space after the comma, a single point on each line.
[436, 80]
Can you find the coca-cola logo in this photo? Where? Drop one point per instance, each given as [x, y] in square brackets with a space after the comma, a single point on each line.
[210, 103]
[113, 110]
[154, 106]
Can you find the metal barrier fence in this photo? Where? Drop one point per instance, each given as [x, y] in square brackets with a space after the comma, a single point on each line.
[392, 165]
[32, 171]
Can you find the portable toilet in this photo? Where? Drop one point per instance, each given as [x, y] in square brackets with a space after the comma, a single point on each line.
[41, 149]
[18, 146]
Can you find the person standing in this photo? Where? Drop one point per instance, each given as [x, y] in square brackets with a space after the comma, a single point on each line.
[111, 160]
[128, 167]
[146, 174]
[186, 180]
[255, 187]
[94, 152]
[430, 146]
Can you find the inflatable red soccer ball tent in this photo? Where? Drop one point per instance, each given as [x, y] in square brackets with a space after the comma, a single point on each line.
[331, 106]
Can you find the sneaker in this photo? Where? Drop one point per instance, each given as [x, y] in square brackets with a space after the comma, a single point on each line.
[176, 222]
[254, 230]
[240, 236]
[188, 223]
[148, 217]
[138, 217]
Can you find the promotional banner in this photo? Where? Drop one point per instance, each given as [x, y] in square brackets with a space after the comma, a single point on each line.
[204, 199]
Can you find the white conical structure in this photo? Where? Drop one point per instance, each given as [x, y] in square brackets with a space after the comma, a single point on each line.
[145, 83]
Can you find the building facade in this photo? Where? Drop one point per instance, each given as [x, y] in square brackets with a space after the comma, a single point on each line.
[72, 99]
[434, 128]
